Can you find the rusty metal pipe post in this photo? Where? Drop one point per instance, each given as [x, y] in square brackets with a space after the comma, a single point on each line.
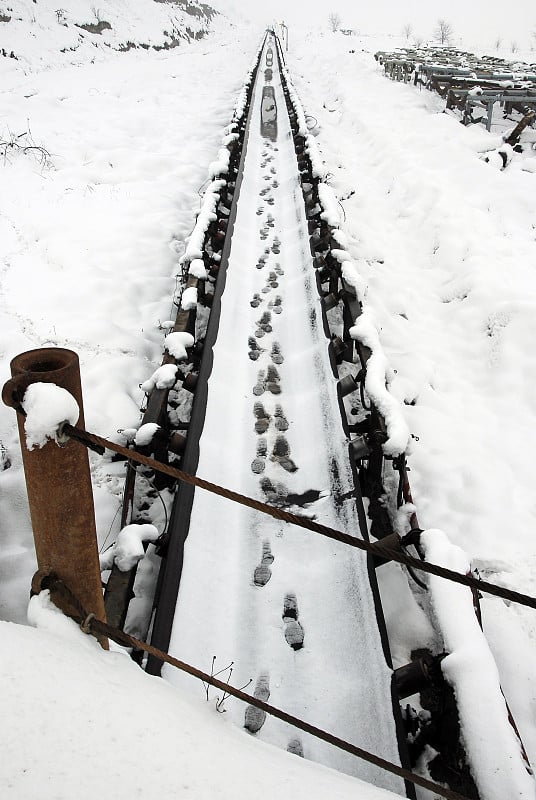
[58, 482]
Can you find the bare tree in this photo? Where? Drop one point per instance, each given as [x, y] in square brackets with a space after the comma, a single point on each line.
[418, 41]
[444, 31]
[513, 47]
[407, 30]
[498, 43]
[334, 21]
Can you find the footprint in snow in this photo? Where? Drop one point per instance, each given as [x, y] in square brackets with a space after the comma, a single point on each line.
[294, 633]
[276, 305]
[274, 493]
[260, 386]
[272, 280]
[272, 380]
[278, 269]
[264, 322]
[254, 717]
[254, 349]
[281, 454]
[263, 573]
[262, 418]
[258, 464]
[295, 746]
[281, 422]
[260, 210]
[267, 555]
[262, 688]
[276, 354]
[256, 301]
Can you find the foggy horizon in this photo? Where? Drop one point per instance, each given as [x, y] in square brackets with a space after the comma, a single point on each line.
[478, 23]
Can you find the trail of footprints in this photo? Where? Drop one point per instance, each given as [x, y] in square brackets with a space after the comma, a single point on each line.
[269, 419]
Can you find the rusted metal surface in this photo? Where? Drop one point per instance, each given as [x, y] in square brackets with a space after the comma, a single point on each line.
[58, 481]
[414, 676]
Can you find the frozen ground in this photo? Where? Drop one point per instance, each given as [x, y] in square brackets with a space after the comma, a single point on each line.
[90, 236]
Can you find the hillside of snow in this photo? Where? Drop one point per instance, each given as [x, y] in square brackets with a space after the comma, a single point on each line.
[44, 34]
[109, 118]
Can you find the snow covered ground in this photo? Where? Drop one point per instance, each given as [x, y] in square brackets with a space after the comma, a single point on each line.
[447, 246]
[91, 227]
[113, 730]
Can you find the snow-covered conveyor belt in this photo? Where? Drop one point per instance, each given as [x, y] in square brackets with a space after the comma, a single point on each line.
[296, 614]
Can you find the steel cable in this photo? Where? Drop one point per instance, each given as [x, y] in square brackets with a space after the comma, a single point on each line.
[100, 444]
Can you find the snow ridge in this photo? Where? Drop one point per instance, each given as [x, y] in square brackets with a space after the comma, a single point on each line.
[496, 757]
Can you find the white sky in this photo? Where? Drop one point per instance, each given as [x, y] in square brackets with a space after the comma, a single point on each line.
[478, 21]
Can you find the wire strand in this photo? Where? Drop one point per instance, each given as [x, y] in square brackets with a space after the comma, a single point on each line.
[100, 444]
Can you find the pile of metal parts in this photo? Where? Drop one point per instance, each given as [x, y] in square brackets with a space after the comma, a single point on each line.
[468, 83]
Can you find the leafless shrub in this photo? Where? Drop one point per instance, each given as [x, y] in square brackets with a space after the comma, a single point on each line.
[444, 31]
[334, 21]
[12, 145]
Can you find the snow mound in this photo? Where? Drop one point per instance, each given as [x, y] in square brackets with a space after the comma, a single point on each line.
[496, 759]
[128, 549]
[378, 372]
[145, 434]
[47, 406]
[164, 377]
[192, 750]
[176, 344]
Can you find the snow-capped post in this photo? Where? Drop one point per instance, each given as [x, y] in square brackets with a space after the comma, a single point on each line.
[58, 479]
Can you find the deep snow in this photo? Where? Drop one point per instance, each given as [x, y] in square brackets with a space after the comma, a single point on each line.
[90, 238]
[447, 246]
[89, 723]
